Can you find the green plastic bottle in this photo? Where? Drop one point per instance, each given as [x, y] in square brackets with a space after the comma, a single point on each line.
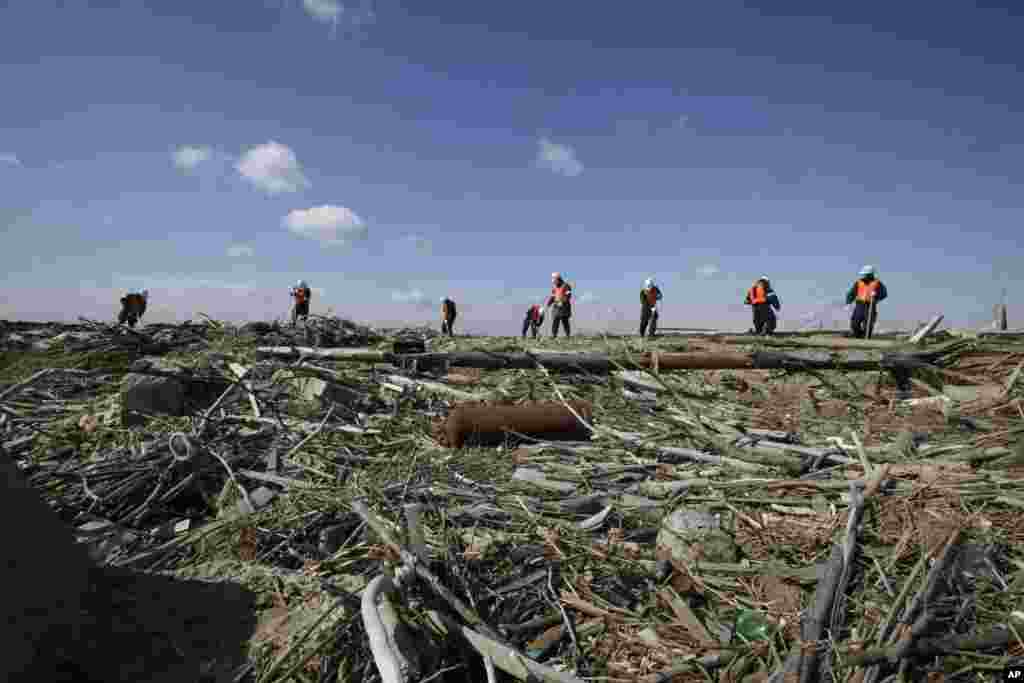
[753, 625]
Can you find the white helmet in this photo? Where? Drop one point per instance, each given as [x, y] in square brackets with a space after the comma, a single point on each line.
[443, 299]
[765, 278]
[301, 283]
[649, 282]
[556, 276]
[867, 270]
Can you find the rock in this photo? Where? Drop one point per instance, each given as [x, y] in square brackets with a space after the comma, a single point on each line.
[159, 395]
[260, 498]
[689, 535]
[151, 395]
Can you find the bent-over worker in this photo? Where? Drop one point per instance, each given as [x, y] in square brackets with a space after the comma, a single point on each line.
[650, 295]
[301, 294]
[448, 314]
[763, 299]
[560, 303]
[133, 307]
[865, 290]
[533, 320]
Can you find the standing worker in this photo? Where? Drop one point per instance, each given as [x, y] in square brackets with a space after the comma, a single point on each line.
[301, 294]
[865, 294]
[650, 295]
[560, 303]
[533, 320]
[448, 314]
[133, 307]
[763, 299]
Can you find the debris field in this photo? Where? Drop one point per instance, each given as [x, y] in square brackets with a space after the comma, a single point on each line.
[394, 505]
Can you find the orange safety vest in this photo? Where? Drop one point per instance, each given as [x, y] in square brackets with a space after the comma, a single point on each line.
[652, 296]
[757, 295]
[866, 291]
[562, 293]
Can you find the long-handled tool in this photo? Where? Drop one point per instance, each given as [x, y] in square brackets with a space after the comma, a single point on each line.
[871, 316]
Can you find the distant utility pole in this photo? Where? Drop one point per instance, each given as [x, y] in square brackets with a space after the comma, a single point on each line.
[999, 321]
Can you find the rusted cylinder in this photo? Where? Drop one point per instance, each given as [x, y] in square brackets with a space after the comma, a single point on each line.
[487, 425]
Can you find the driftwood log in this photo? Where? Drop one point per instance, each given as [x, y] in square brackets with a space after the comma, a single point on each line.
[603, 363]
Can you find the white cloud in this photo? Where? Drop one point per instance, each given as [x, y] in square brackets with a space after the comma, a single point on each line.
[329, 225]
[188, 157]
[11, 159]
[273, 168]
[241, 251]
[558, 158]
[411, 296]
[708, 270]
[327, 11]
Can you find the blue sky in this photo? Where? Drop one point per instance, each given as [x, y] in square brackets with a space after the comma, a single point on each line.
[391, 152]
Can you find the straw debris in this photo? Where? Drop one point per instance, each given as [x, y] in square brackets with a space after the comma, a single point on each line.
[795, 523]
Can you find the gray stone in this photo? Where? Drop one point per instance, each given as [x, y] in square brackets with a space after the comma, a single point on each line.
[152, 395]
[689, 535]
[159, 395]
[260, 498]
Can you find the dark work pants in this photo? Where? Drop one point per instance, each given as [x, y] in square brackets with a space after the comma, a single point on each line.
[648, 316]
[532, 325]
[127, 316]
[447, 326]
[859, 321]
[300, 311]
[764, 319]
[562, 318]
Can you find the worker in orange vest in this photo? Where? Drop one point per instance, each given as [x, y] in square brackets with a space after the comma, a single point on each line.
[763, 299]
[650, 295]
[448, 314]
[560, 303]
[133, 307]
[301, 294]
[866, 289]
[533, 320]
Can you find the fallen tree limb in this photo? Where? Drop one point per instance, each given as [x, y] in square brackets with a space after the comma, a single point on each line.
[382, 623]
[812, 343]
[803, 658]
[685, 453]
[997, 637]
[504, 657]
[902, 640]
[919, 336]
[410, 559]
[605, 364]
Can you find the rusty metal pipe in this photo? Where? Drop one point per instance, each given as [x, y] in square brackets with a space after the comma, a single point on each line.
[488, 424]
